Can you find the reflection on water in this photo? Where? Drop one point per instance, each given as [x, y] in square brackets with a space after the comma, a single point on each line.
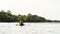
[30, 28]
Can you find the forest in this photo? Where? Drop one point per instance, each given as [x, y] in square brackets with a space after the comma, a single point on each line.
[8, 17]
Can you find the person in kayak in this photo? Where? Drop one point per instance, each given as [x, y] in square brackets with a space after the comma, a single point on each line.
[21, 23]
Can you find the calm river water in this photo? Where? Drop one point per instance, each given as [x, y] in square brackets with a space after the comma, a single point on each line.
[30, 28]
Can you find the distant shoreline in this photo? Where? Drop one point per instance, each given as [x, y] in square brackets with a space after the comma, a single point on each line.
[30, 22]
[9, 17]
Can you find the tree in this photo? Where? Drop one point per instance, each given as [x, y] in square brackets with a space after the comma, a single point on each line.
[29, 18]
[8, 11]
[24, 18]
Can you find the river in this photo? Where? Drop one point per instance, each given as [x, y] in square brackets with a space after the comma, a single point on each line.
[30, 28]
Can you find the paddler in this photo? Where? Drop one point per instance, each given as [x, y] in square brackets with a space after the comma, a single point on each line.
[21, 23]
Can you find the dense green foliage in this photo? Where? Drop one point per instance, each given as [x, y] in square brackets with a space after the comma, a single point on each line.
[8, 17]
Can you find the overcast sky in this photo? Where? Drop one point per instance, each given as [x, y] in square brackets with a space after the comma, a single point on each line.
[49, 9]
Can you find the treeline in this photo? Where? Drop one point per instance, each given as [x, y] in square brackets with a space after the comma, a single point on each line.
[8, 17]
